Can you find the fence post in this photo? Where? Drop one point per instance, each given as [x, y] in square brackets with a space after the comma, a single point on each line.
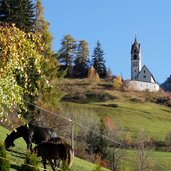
[72, 131]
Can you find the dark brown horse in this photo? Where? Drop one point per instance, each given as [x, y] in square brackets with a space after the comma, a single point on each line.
[52, 152]
[31, 134]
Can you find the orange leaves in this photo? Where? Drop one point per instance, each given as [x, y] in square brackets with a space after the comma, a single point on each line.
[93, 76]
[109, 123]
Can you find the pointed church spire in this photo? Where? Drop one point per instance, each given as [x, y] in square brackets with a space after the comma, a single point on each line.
[135, 39]
[135, 46]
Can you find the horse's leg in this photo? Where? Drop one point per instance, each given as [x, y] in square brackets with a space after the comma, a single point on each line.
[57, 163]
[44, 164]
[52, 163]
[30, 139]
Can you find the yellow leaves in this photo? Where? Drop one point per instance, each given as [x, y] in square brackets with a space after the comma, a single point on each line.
[93, 76]
[20, 55]
[117, 83]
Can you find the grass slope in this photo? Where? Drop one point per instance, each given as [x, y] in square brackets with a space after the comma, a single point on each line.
[133, 117]
[136, 111]
[17, 155]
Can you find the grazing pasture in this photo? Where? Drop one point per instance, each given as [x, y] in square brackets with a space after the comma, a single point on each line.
[16, 156]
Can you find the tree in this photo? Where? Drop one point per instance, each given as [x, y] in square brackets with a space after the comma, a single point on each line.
[144, 162]
[93, 76]
[96, 141]
[20, 68]
[117, 83]
[98, 60]
[42, 26]
[20, 12]
[116, 150]
[103, 144]
[67, 53]
[81, 61]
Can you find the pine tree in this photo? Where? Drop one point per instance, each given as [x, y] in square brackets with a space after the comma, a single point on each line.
[98, 60]
[67, 53]
[42, 26]
[102, 141]
[82, 61]
[96, 142]
[20, 12]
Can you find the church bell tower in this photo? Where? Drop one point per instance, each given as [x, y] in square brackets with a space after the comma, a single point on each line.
[135, 60]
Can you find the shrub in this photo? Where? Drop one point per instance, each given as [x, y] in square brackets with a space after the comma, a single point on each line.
[31, 163]
[4, 163]
[117, 83]
[93, 76]
[98, 166]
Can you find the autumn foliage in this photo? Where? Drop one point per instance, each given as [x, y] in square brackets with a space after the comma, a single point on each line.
[20, 67]
[117, 83]
[93, 76]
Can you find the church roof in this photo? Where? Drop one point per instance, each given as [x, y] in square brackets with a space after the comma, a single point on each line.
[148, 71]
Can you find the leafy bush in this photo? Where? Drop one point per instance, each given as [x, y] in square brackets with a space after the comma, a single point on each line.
[31, 163]
[98, 166]
[4, 164]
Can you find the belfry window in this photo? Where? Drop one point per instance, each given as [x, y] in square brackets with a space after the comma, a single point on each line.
[135, 57]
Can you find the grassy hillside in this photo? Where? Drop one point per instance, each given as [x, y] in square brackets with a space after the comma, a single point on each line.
[17, 155]
[133, 111]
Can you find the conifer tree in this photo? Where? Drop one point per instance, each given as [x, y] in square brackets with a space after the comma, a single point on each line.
[81, 61]
[96, 142]
[98, 60]
[42, 26]
[67, 53]
[20, 12]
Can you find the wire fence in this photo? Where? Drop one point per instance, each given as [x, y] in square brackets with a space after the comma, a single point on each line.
[74, 123]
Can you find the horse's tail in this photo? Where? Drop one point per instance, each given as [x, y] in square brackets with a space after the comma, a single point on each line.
[70, 157]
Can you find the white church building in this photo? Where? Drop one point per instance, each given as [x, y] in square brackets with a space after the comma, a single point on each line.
[141, 77]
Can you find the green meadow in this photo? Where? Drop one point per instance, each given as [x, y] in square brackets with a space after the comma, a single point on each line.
[134, 117]
[134, 112]
[161, 160]
[16, 156]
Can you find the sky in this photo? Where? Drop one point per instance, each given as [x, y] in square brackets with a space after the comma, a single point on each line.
[115, 23]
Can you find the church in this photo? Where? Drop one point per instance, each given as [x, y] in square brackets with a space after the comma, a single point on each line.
[141, 77]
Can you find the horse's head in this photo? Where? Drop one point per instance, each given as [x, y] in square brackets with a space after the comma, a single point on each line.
[9, 142]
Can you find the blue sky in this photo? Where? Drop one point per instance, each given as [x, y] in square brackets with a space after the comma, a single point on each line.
[114, 23]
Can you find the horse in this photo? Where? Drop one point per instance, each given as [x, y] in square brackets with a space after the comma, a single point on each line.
[57, 140]
[52, 152]
[31, 134]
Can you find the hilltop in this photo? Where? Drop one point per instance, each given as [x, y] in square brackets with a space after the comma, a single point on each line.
[132, 110]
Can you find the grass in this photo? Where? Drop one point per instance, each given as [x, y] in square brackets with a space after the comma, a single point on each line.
[131, 111]
[161, 160]
[133, 117]
[16, 156]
